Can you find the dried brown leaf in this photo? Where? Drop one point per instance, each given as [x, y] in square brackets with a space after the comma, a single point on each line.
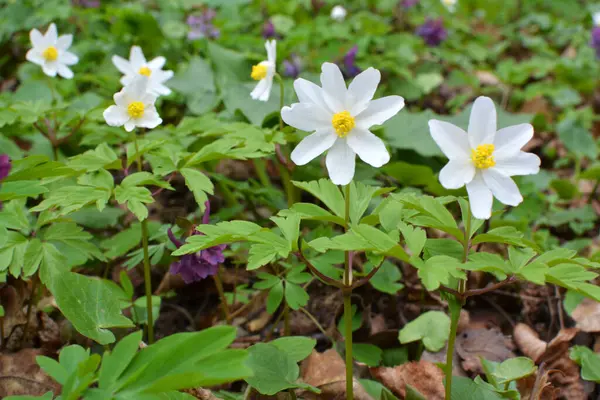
[587, 315]
[424, 376]
[20, 375]
[490, 344]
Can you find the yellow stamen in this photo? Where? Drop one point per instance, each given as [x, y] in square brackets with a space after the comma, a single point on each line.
[482, 156]
[135, 109]
[343, 123]
[259, 72]
[145, 71]
[50, 54]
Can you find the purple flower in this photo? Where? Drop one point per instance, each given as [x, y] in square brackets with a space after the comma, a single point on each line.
[408, 3]
[350, 67]
[433, 31]
[292, 66]
[595, 42]
[268, 30]
[201, 26]
[200, 265]
[5, 166]
[317, 5]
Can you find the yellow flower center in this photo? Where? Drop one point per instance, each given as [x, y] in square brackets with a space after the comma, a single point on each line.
[482, 156]
[145, 71]
[135, 109]
[50, 54]
[343, 123]
[259, 72]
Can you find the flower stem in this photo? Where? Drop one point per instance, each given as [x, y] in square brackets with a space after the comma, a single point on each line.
[286, 321]
[347, 292]
[224, 304]
[283, 168]
[455, 306]
[147, 275]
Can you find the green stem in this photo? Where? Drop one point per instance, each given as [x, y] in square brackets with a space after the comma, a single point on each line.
[348, 341]
[283, 171]
[224, 304]
[347, 291]
[147, 275]
[227, 193]
[287, 330]
[455, 306]
[454, 317]
[261, 172]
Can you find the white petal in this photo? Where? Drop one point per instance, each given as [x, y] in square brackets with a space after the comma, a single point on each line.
[308, 92]
[137, 89]
[129, 125]
[451, 139]
[482, 122]
[126, 80]
[115, 116]
[510, 140]
[50, 68]
[380, 110]
[160, 89]
[521, 163]
[35, 56]
[64, 71]
[64, 42]
[37, 39]
[480, 197]
[313, 146]
[51, 35]
[334, 87]
[340, 162]
[157, 63]
[503, 187]
[457, 173]
[120, 98]
[161, 76]
[149, 120]
[149, 99]
[136, 58]
[267, 93]
[122, 65]
[369, 147]
[305, 116]
[68, 58]
[362, 89]
[271, 48]
[262, 89]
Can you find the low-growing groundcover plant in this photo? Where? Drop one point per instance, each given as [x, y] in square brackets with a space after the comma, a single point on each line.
[169, 229]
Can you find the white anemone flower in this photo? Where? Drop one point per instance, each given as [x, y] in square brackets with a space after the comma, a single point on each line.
[450, 4]
[50, 52]
[264, 72]
[338, 13]
[484, 159]
[340, 118]
[138, 66]
[134, 107]
[596, 18]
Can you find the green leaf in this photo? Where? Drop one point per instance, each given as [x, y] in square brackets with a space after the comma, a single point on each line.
[432, 327]
[576, 138]
[135, 197]
[117, 360]
[514, 369]
[377, 391]
[589, 362]
[274, 298]
[466, 389]
[261, 254]
[267, 281]
[140, 313]
[93, 160]
[185, 360]
[223, 232]
[438, 270]
[415, 238]
[290, 227]
[296, 347]
[327, 192]
[360, 198]
[503, 234]
[311, 212]
[274, 370]
[367, 353]
[387, 279]
[199, 185]
[295, 296]
[432, 213]
[90, 305]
